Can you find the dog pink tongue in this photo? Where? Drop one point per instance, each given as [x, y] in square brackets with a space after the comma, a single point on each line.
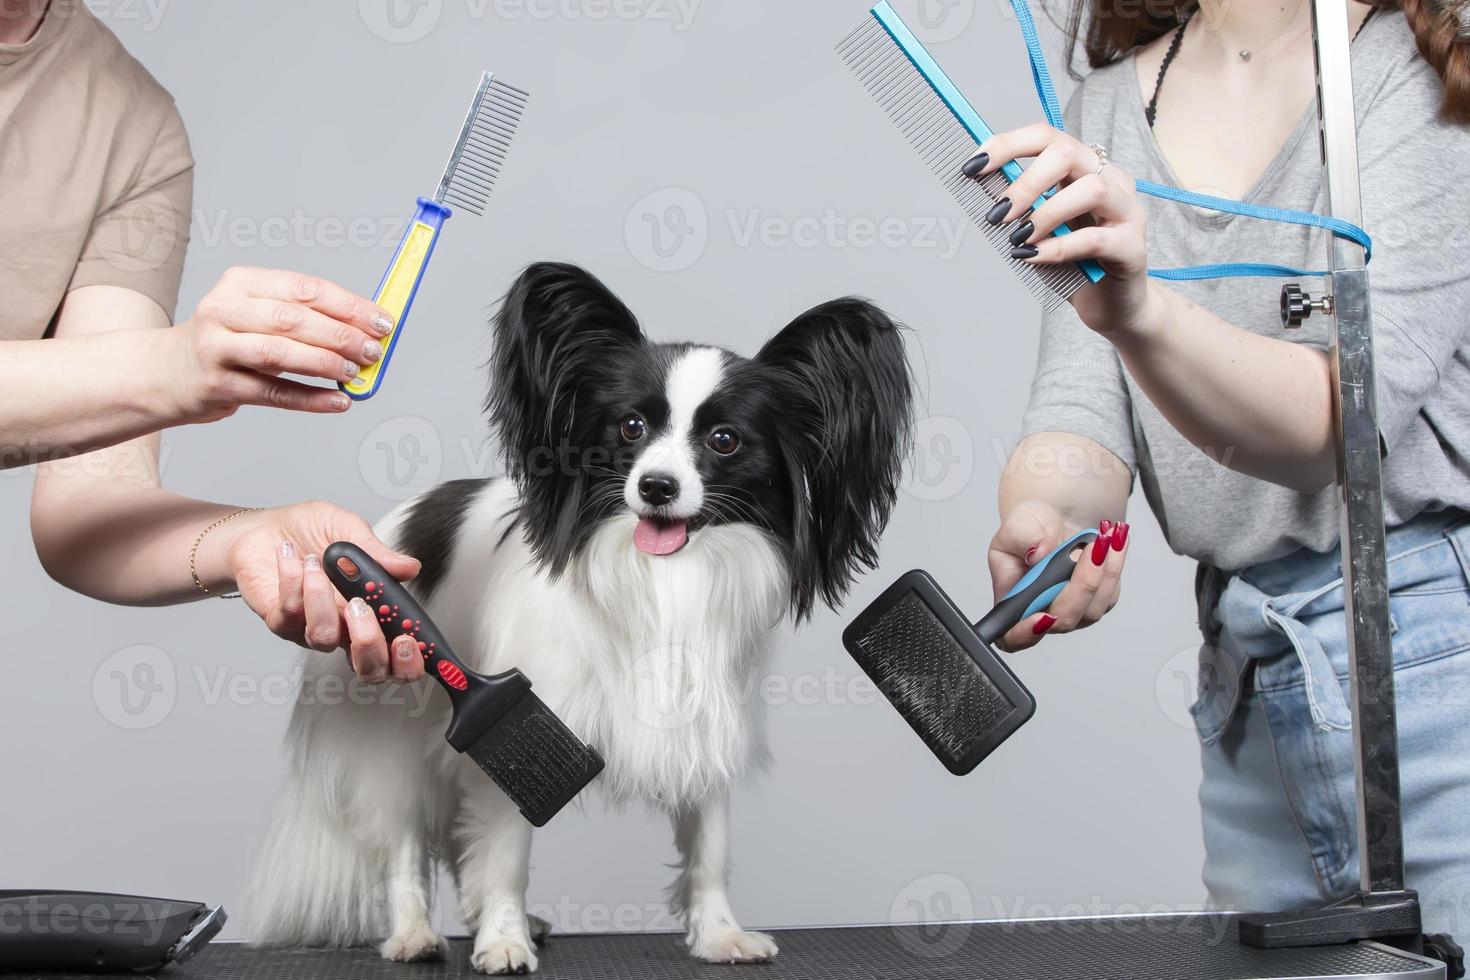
[653, 538]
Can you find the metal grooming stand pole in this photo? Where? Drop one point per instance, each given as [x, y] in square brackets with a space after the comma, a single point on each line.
[1383, 908]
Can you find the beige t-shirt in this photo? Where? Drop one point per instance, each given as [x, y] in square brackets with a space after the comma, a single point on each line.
[96, 179]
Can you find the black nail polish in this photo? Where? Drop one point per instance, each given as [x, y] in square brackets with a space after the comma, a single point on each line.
[1023, 231]
[997, 213]
[1023, 252]
[975, 164]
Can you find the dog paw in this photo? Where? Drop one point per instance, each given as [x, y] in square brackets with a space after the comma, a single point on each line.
[417, 944]
[733, 946]
[503, 956]
[539, 929]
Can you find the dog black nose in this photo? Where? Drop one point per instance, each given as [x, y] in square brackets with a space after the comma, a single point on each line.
[658, 488]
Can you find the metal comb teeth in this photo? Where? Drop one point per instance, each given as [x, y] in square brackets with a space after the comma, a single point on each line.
[945, 144]
[483, 141]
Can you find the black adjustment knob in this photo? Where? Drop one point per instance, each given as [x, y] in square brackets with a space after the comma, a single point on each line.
[1296, 305]
[1441, 947]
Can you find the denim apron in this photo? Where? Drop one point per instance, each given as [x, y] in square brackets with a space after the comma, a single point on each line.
[1278, 796]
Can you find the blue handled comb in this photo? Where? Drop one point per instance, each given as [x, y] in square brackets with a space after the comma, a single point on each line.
[942, 673]
[942, 125]
[468, 179]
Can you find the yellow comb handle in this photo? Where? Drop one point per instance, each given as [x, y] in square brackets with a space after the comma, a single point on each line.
[399, 286]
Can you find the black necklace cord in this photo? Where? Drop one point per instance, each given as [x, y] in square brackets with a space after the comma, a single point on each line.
[1152, 109]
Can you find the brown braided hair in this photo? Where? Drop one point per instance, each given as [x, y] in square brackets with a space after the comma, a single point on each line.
[1110, 29]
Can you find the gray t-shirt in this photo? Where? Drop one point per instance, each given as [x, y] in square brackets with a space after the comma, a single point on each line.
[1415, 173]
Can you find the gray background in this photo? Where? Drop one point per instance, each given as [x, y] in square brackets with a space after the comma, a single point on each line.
[141, 746]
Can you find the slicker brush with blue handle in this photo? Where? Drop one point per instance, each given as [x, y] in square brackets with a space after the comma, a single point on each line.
[942, 673]
[468, 179]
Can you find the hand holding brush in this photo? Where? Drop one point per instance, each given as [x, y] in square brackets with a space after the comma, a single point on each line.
[1032, 529]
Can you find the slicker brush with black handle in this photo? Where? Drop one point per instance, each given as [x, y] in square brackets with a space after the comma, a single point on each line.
[940, 672]
[498, 722]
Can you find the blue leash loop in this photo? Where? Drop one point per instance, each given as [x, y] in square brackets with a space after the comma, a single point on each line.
[1046, 92]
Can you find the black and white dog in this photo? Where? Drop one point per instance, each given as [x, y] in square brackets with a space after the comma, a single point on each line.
[665, 506]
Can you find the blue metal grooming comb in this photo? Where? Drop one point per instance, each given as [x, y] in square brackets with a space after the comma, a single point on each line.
[942, 125]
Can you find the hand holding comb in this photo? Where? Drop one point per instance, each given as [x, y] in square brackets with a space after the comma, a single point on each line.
[504, 728]
[940, 672]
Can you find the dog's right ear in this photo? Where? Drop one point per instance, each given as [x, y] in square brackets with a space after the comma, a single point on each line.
[555, 327]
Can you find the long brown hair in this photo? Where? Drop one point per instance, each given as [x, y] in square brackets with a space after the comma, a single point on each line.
[1110, 29]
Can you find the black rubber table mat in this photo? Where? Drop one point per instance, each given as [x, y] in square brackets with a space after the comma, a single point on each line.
[1168, 948]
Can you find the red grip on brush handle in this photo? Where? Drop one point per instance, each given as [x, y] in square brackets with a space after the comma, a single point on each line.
[399, 613]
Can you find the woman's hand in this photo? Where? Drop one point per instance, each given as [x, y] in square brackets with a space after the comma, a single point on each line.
[257, 324]
[1029, 532]
[1100, 205]
[276, 565]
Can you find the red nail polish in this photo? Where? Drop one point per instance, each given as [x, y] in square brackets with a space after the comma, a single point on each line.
[1120, 537]
[1029, 552]
[1104, 527]
[1046, 622]
[1100, 548]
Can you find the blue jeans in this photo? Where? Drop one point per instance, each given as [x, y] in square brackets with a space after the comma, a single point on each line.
[1278, 796]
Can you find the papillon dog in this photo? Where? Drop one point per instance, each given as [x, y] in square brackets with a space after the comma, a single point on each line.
[665, 507]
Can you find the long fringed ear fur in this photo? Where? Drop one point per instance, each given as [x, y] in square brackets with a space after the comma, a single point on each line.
[554, 331]
[844, 438]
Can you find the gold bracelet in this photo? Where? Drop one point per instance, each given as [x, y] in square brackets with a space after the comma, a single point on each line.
[194, 551]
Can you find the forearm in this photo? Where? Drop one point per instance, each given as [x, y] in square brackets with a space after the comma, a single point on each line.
[1078, 478]
[124, 541]
[71, 395]
[1252, 403]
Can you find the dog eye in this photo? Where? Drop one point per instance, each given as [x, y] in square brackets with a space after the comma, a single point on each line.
[724, 441]
[633, 428]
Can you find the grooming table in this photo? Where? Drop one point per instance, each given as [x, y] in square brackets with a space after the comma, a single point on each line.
[1179, 947]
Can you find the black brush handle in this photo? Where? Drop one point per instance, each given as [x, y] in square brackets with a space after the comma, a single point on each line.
[478, 701]
[1036, 590]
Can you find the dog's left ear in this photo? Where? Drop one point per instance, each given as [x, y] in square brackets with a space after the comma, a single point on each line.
[844, 439]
